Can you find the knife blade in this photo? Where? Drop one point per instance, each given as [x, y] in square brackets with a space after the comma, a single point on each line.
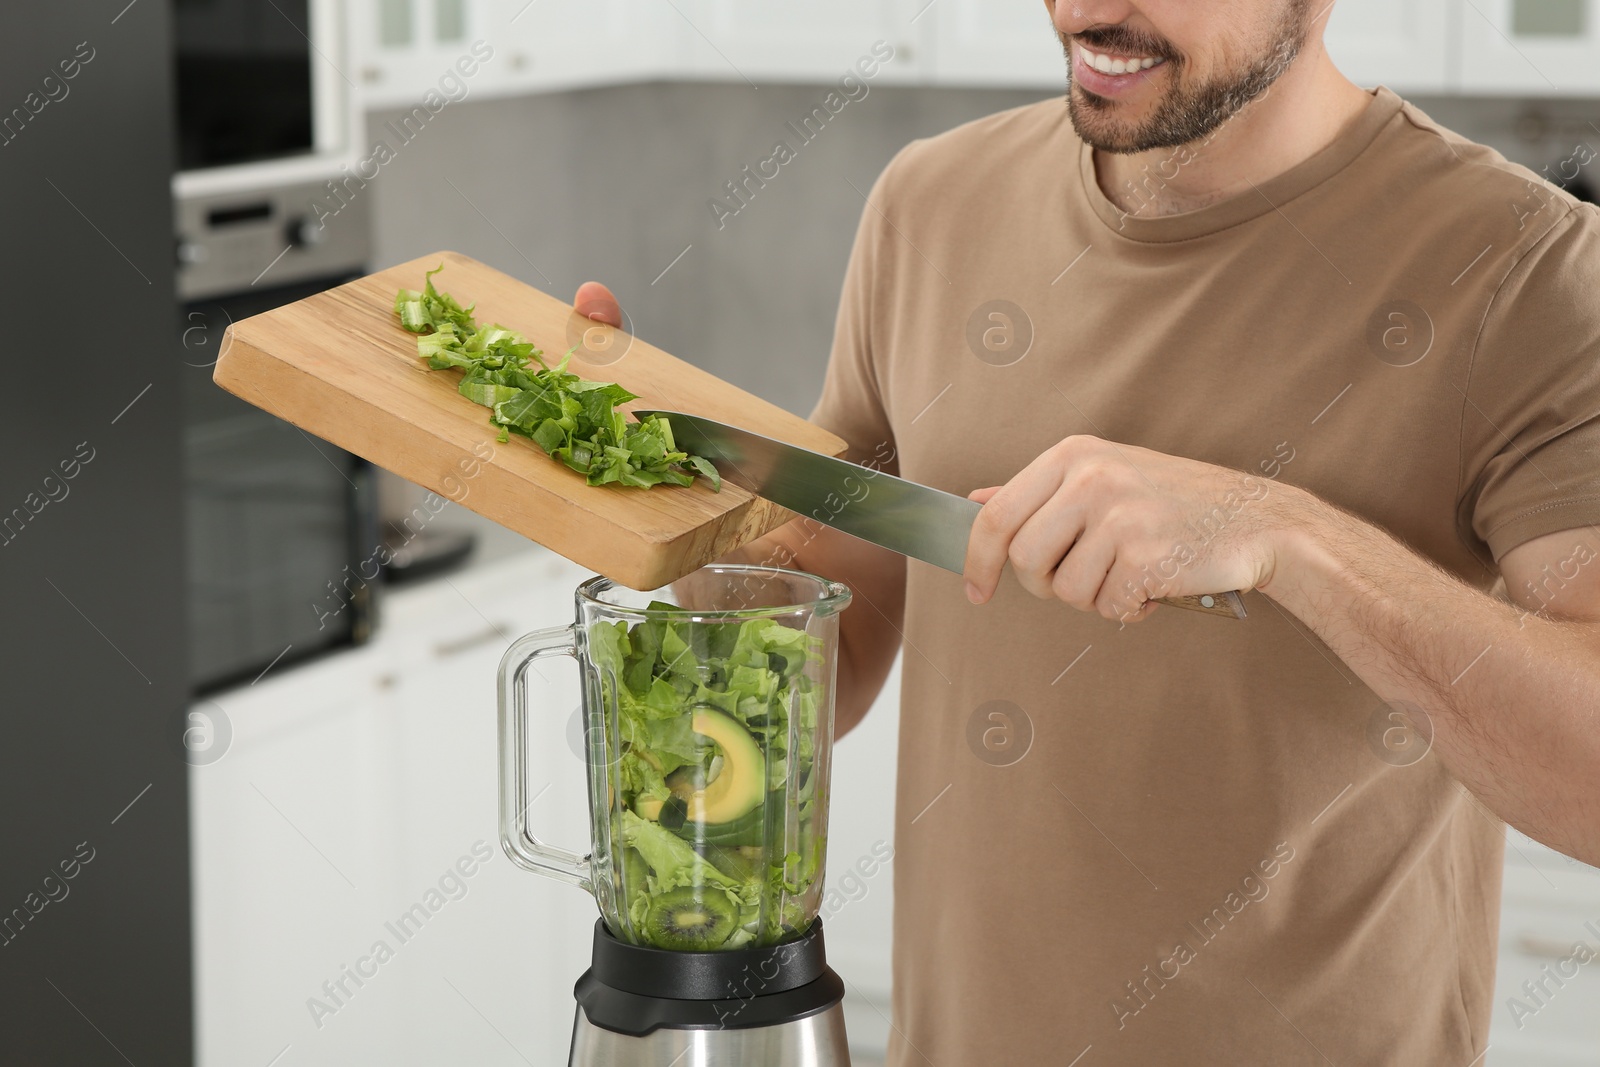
[903, 516]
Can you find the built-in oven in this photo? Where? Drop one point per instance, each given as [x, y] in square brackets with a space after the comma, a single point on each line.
[282, 527]
[267, 128]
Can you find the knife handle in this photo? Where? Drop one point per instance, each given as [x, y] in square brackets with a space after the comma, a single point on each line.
[1227, 605]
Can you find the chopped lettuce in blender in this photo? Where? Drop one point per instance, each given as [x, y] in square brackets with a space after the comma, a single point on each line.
[714, 830]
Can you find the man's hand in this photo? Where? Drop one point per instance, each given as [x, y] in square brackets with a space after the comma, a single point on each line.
[1108, 528]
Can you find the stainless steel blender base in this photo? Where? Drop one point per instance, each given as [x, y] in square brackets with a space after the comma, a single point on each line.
[814, 1041]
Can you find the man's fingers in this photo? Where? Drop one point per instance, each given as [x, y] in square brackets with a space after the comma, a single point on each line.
[1078, 578]
[594, 301]
[1045, 542]
[982, 496]
[1127, 595]
[1002, 516]
[1145, 611]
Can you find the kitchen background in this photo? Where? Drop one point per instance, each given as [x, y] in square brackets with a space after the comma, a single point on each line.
[268, 768]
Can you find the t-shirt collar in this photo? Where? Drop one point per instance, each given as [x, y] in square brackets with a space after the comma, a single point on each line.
[1308, 173]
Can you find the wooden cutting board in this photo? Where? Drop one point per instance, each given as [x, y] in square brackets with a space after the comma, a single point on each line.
[338, 365]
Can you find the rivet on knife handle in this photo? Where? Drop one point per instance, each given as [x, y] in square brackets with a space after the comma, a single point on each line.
[1228, 605]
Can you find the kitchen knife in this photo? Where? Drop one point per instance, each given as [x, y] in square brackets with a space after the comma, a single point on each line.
[914, 520]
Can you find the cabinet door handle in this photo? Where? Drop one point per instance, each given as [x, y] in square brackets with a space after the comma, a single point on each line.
[1547, 947]
[456, 646]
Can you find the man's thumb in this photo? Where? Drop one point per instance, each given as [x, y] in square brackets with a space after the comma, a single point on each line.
[594, 301]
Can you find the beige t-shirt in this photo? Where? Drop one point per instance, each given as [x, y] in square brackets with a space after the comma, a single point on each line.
[1196, 840]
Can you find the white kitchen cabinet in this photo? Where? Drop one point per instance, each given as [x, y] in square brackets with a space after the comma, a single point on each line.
[293, 856]
[400, 50]
[1001, 43]
[1403, 44]
[758, 41]
[1534, 47]
[405, 48]
[348, 791]
[566, 44]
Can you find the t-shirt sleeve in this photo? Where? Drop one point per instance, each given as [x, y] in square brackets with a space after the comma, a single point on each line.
[852, 396]
[1531, 422]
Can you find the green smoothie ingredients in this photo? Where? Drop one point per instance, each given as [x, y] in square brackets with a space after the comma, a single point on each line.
[714, 819]
[572, 419]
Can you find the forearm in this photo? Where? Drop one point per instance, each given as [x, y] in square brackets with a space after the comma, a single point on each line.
[869, 630]
[1513, 699]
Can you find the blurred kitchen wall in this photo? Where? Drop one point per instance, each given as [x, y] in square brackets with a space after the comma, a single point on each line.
[613, 184]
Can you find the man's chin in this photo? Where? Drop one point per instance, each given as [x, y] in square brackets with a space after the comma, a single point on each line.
[1102, 123]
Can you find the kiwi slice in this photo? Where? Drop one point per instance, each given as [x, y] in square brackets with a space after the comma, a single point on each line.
[688, 919]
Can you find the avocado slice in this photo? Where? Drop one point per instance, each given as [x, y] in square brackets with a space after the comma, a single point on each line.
[742, 784]
[737, 791]
[754, 828]
[647, 807]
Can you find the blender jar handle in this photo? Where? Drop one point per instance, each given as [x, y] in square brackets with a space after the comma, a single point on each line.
[523, 848]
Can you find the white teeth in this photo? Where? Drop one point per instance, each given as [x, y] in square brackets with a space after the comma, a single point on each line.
[1106, 65]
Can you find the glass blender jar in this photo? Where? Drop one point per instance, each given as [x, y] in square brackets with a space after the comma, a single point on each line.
[708, 726]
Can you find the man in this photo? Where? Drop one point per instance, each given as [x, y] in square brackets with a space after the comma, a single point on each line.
[1225, 321]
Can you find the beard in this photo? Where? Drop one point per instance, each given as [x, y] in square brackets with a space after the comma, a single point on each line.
[1187, 113]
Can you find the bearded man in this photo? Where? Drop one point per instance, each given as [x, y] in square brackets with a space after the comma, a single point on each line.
[1223, 321]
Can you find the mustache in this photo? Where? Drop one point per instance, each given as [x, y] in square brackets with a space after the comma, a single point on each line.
[1125, 41]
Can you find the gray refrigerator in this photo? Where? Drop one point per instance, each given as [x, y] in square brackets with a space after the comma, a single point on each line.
[94, 854]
